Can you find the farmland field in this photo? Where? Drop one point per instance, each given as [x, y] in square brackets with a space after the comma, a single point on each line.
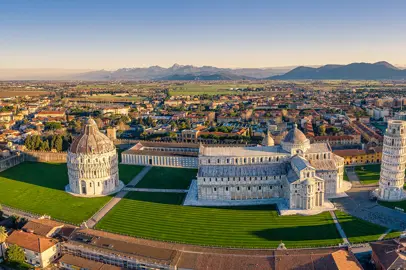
[160, 216]
[168, 178]
[209, 89]
[6, 94]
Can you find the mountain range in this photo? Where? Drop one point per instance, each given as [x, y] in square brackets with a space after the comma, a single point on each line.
[181, 72]
[354, 71]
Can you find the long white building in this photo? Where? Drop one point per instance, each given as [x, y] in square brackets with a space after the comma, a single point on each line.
[392, 176]
[302, 173]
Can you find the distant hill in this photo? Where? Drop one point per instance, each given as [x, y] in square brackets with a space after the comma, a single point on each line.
[355, 71]
[179, 72]
[218, 76]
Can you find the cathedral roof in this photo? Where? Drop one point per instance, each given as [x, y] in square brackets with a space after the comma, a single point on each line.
[295, 136]
[91, 140]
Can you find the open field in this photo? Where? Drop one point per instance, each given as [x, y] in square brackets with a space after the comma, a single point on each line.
[128, 172]
[159, 216]
[39, 188]
[168, 178]
[6, 94]
[209, 89]
[368, 174]
[358, 230]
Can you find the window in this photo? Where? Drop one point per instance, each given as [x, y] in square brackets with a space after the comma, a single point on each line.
[226, 188]
[98, 184]
[259, 188]
[238, 188]
[215, 189]
[249, 188]
[90, 184]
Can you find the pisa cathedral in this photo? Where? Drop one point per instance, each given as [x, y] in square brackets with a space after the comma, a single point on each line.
[303, 174]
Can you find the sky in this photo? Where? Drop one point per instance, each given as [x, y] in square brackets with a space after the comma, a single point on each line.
[84, 34]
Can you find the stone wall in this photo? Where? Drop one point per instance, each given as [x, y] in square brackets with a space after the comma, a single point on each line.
[11, 161]
[45, 156]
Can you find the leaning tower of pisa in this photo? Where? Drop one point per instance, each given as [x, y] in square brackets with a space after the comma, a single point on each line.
[393, 162]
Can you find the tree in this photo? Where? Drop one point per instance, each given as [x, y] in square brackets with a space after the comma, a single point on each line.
[53, 125]
[3, 238]
[58, 143]
[322, 130]
[15, 254]
[28, 142]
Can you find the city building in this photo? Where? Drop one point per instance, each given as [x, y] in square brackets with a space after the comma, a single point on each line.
[392, 176]
[92, 163]
[39, 250]
[360, 156]
[178, 155]
[389, 254]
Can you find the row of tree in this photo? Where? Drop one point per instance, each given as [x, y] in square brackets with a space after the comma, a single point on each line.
[57, 142]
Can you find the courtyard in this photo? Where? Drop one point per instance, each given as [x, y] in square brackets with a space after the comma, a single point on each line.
[168, 178]
[40, 188]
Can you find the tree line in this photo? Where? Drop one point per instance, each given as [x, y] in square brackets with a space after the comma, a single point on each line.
[57, 142]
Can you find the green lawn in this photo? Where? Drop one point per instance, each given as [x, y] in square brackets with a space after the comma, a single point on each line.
[358, 230]
[368, 174]
[159, 216]
[401, 204]
[394, 234]
[168, 178]
[345, 176]
[128, 172]
[40, 188]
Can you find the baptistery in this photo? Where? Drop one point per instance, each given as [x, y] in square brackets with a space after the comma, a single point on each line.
[92, 163]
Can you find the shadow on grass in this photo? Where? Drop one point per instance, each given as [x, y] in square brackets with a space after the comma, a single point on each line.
[48, 175]
[300, 233]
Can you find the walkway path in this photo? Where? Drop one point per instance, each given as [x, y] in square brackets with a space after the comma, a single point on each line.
[358, 204]
[384, 234]
[115, 200]
[156, 190]
[339, 229]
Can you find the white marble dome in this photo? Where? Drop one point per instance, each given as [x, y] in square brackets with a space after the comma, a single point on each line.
[92, 164]
[295, 141]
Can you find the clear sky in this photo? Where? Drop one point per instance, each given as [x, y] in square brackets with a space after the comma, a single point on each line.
[113, 34]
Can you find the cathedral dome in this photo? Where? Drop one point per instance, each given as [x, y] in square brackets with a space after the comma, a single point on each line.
[268, 140]
[91, 140]
[295, 136]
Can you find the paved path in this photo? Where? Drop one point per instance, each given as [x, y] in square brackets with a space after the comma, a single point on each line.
[156, 190]
[358, 204]
[339, 229]
[115, 200]
[384, 234]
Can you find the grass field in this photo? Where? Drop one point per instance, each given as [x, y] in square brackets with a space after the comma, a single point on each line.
[168, 178]
[40, 188]
[358, 230]
[209, 89]
[401, 204]
[128, 172]
[159, 216]
[368, 174]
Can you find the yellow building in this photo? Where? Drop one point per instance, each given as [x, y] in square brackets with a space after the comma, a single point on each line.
[360, 157]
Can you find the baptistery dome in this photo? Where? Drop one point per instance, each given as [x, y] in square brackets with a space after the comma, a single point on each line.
[92, 163]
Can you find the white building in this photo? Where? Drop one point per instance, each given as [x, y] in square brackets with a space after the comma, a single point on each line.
[39, 251]
[92, 164]
[393, 162]
[303, 174]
